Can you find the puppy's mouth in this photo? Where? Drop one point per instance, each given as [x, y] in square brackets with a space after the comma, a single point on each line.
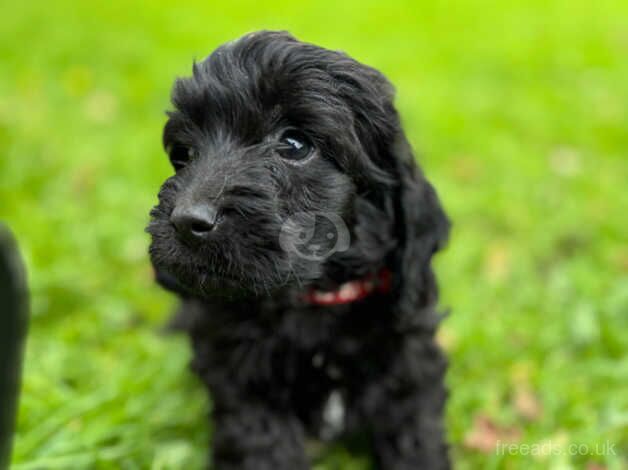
[198, 278]
[215, 268]
[199, 281]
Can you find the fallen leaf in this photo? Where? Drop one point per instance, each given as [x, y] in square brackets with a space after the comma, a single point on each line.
[466, 169]
[84, 179]
[497, 262]
[565, 161]
[621, 259]
[485, 435]
[527, 404]
[446, 339]
[101, 106]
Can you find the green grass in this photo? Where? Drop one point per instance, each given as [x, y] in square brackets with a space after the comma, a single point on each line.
[519, 112]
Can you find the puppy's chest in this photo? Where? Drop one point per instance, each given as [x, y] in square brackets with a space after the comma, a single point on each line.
[331, 377]
[343, 329]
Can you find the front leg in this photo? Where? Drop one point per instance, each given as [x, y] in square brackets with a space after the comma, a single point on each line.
[254, 427]
[405, 409]
[253, 436]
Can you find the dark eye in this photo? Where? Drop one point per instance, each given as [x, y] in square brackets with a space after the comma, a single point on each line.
[294, 145]
[180, 155]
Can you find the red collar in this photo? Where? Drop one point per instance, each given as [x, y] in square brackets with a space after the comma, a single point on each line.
[352, 291]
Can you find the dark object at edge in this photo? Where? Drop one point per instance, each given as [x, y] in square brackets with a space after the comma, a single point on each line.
[13, 326]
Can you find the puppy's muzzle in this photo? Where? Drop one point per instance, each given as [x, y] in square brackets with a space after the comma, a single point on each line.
[194, 221]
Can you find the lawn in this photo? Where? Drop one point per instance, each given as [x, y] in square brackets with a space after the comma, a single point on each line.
[519, 112]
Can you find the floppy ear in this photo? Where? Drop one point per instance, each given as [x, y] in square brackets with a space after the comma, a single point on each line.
[421, 224]
[423, 228]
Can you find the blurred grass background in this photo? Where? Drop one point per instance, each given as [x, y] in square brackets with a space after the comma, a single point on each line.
[519, 112]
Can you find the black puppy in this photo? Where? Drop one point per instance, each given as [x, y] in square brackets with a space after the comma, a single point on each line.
[298, 232]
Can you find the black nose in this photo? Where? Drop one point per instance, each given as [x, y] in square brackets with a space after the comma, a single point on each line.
[194, 222]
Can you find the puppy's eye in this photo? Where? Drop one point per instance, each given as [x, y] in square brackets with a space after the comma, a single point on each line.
[180, 155]
[294, 145]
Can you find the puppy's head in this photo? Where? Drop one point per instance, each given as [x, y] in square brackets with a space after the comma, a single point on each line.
[279, 149]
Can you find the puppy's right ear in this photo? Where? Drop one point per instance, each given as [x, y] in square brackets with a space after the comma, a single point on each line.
[423, 230]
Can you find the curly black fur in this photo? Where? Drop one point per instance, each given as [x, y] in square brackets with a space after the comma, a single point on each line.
[270, 359]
